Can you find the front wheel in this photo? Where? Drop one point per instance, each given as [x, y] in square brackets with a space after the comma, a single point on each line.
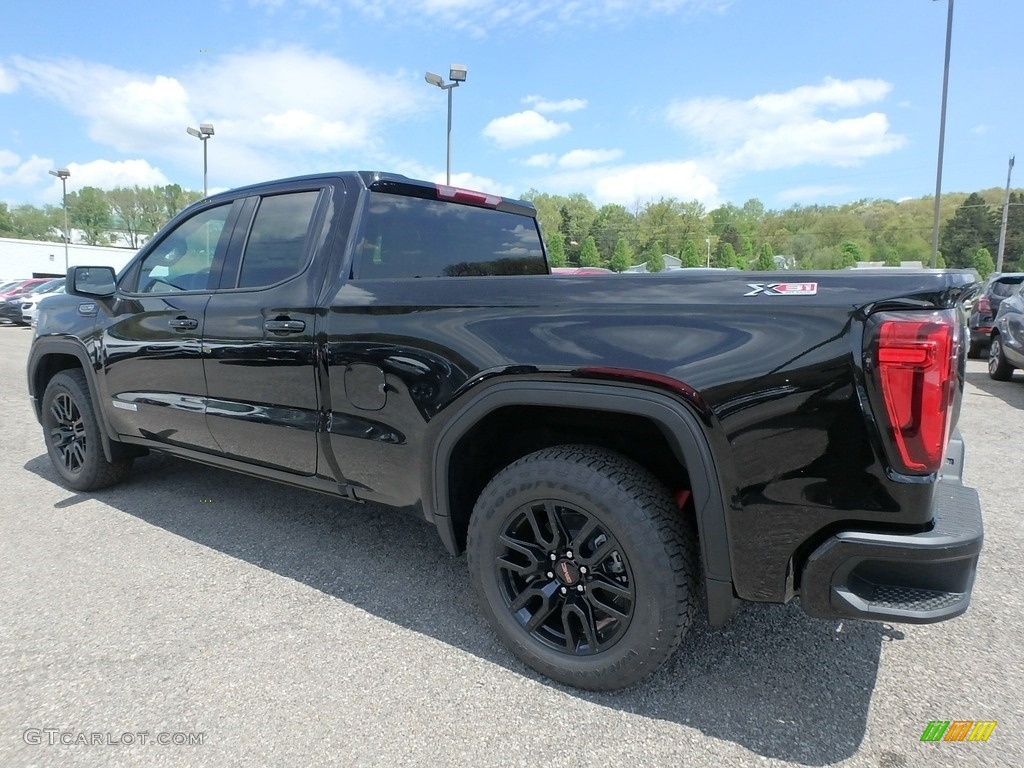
[998, 368]
[584, 566]
[73, 435]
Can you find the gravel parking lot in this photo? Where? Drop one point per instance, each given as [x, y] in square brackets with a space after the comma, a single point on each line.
[247, 623]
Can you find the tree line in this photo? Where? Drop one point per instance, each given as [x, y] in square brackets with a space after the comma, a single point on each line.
[578, 233]
[125, 215]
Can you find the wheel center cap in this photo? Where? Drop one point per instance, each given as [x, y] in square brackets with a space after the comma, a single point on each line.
[568, 572]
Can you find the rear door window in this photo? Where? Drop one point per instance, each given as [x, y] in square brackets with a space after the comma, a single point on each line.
[412, 237]
[277, 245]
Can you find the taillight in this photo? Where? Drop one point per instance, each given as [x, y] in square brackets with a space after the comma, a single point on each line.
[917, 376]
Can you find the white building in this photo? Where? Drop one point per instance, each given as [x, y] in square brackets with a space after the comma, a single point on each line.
[39, 258]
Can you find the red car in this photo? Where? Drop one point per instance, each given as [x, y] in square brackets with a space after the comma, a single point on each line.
[20, 286]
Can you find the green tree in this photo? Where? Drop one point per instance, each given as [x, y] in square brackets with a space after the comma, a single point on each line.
[612, 223]
[31, 223]
[589, 257]
[6, 222]
[766, 259]
[655, 257]
[622, 256]
[983, 262]
[726, 257]
[748, 258]
[89, 211]
[556, 250]
[850, 253]
[971, 227]
[690, 257]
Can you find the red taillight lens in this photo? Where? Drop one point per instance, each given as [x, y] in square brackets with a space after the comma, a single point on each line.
[917, 372]
[985, 305]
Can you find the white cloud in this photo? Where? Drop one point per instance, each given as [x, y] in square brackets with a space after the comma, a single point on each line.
[107, 174]
[778, 130]
[8, 82]
[25, 173]
[258, 100]
[681, 180]
[523, 128]
[541, 104]
[545, 160]
[581, 158]
[979, 130]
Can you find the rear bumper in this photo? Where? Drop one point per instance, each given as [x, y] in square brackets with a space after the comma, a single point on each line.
[916, 578]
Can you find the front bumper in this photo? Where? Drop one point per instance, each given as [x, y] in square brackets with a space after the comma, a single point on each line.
[915, 578]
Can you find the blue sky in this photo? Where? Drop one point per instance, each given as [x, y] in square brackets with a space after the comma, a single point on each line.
[788, 101]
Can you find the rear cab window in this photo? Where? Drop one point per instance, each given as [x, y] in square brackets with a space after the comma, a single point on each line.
[415, 237]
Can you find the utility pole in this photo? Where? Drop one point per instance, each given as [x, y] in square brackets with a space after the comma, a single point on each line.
[1006, 215]
[942, 136]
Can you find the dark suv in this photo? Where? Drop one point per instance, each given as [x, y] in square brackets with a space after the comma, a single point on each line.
[985, 307]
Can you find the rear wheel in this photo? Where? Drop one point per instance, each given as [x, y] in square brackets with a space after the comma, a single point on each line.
[584, 565]
[998, 368]
[975, 350]
[73, 435]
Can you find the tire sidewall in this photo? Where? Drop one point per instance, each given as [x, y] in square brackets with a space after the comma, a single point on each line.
[84, 479]
[639, 545]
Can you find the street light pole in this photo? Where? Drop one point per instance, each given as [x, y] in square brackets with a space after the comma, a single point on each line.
[942, 137]
[204, 132]
[63, 174]
[457, 74]
[1006, 215]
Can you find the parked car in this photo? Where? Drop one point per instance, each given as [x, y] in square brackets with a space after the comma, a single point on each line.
[10, 307]
[21, 286]
[30, 303]
[985, 307]
[1006, 343]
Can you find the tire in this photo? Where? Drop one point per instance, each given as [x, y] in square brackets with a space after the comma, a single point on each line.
[975, 350]
[611, 612]
[72, 435]
[998, 368]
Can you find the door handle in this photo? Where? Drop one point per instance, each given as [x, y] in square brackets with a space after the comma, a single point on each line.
[285, 326]
[183, 323]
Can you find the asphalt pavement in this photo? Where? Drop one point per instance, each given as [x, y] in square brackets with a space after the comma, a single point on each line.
[193, 616]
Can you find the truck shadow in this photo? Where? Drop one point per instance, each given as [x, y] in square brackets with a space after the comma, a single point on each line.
[1010, 392]
[774, 681]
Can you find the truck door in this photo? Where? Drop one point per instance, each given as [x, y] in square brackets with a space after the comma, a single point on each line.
[152, 340]
[258, 334]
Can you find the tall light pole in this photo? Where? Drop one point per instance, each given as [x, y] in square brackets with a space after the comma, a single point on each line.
[64, 174]
[204, 132]
[1006, 216]
[942, 136]
[457, 74]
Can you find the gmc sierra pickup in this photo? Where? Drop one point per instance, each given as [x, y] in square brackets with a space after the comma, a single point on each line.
[612, 452]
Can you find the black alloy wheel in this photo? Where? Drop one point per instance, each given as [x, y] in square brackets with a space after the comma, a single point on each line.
[73, 439]
[564, 577]
[584, 565]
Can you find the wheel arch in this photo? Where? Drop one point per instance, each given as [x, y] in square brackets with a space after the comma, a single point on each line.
[49, 357]
[675, 422]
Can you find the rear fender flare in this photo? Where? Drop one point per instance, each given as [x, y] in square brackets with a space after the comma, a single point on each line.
[677, 422]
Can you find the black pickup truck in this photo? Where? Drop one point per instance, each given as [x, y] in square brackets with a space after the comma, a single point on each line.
[613, 452]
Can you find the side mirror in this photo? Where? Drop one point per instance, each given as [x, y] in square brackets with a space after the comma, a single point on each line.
[90, 282]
